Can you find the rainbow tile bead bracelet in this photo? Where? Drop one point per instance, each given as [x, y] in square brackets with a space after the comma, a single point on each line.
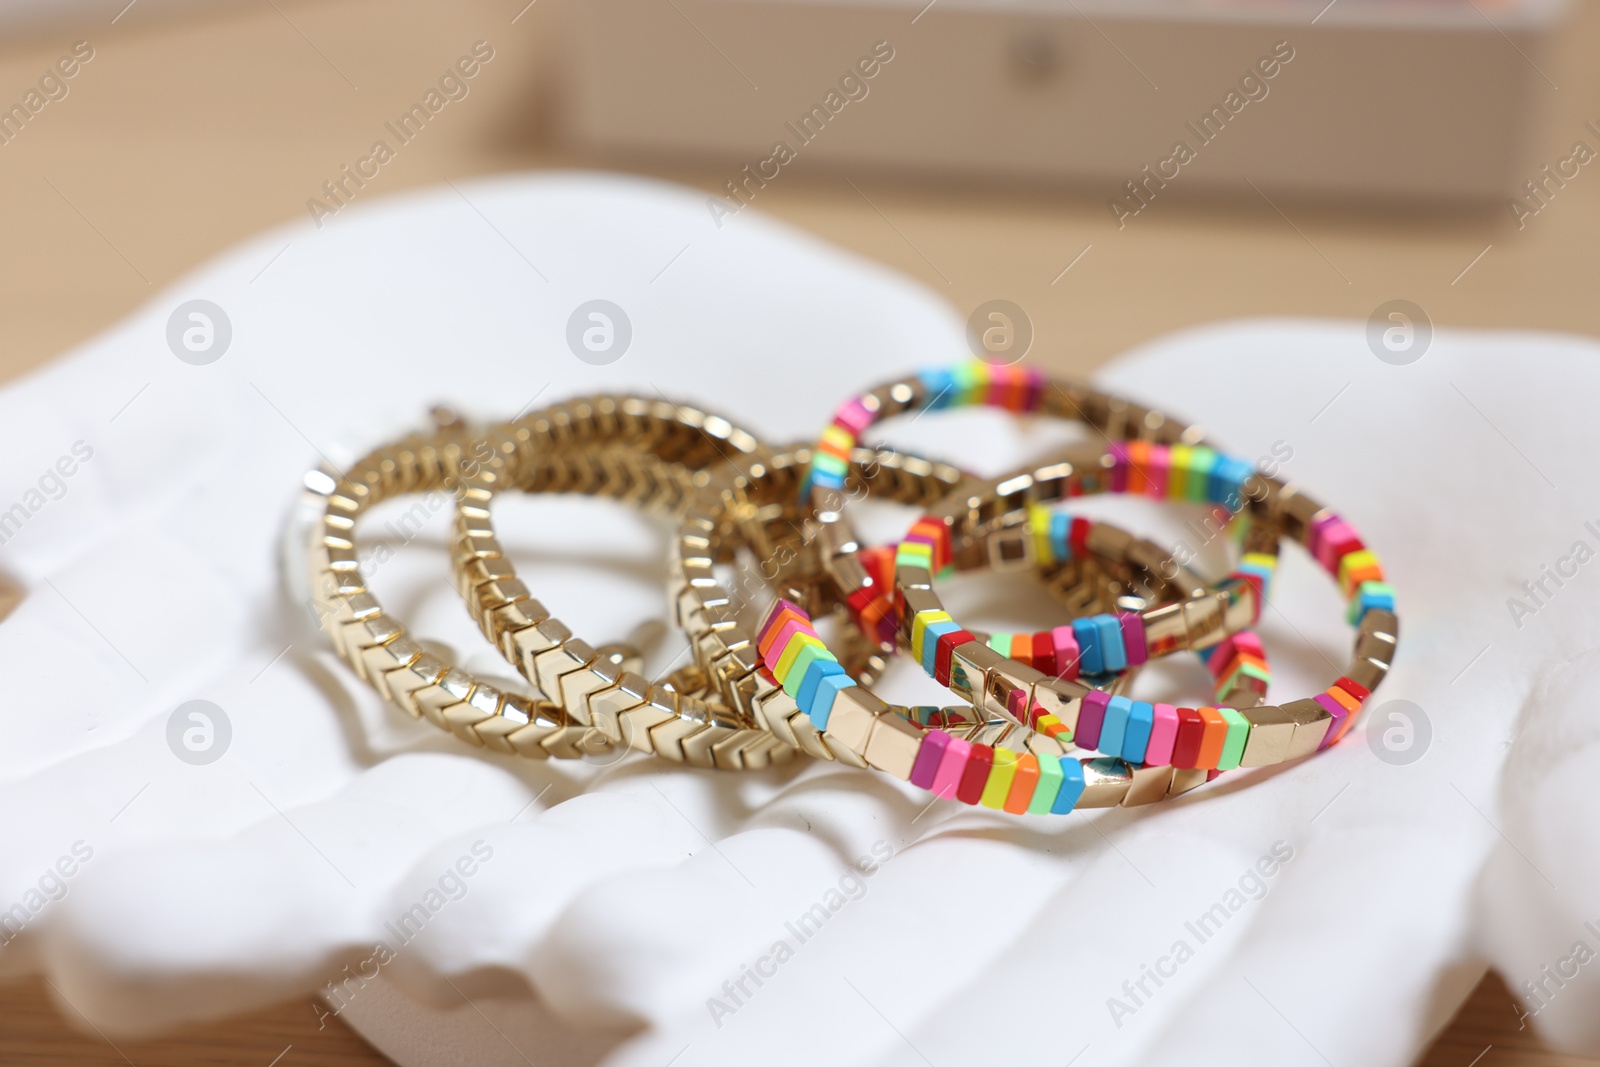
[1184, 470]
[1037, 782]
[1211, 620]
[1017, 389]
[1186, 739]
[1088, 584]
[860, 729]
[1095, 648]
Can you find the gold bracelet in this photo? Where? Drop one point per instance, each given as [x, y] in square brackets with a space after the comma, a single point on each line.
[377, 647]
[656, 466]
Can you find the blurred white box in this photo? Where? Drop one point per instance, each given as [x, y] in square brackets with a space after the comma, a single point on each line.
[20, 18]
[1428, 100]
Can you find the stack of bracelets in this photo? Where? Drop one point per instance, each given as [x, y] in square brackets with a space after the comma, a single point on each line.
[766, 562]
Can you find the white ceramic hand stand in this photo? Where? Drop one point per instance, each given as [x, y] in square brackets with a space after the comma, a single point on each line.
[575, 913]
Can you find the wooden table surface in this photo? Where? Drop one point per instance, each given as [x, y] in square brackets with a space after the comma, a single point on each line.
[182, 136]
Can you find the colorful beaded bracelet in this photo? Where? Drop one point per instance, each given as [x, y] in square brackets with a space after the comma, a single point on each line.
[1018, 389]
[1209, 738]
[1214, 738]
[1085, 584]
[927, 748]
[1328, 538]
[907, 479]
[857, 727]
[1202, 475]
[1181, 746]
[865, 660]
[1094, 645]
[1109, 641]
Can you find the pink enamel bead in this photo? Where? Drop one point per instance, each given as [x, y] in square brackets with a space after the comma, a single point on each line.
[1066, 647]
[1163, 735]
[1091, 716]
[1339, 713]
[1249, 641]
[951, 767]
[854, 416]
[780, 640]
[1133, 637]
[1316, 537]
[1157, 470]
[1034, 382]
[1119, 467]
[929, 756]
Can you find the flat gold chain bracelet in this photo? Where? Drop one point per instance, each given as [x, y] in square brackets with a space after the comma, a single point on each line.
[377, 647]
[550, 442]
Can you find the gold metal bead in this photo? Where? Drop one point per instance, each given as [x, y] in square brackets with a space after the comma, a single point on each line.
[540, 637]
[419, 674]
[1063, 699]
[893, 745]
[843, 753]
[1311, 724]
[638, 722]
[1241, 605]
[1012, 549]
[774, 708]
[379, 660]
[1367, 673]
[698, 745]
[1271, 733]
[1109, 541]
[1164, 630]
[970, 664]
[1106, 782]
[1204, 621]
[1002, 680]
[1149, 785]
[607, 706]
[551, 666]
[810, 738]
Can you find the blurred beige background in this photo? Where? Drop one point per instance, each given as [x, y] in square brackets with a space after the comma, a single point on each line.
[185, 134]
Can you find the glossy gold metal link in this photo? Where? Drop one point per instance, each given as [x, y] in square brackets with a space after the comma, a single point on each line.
[378, 648]
[649, 460]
